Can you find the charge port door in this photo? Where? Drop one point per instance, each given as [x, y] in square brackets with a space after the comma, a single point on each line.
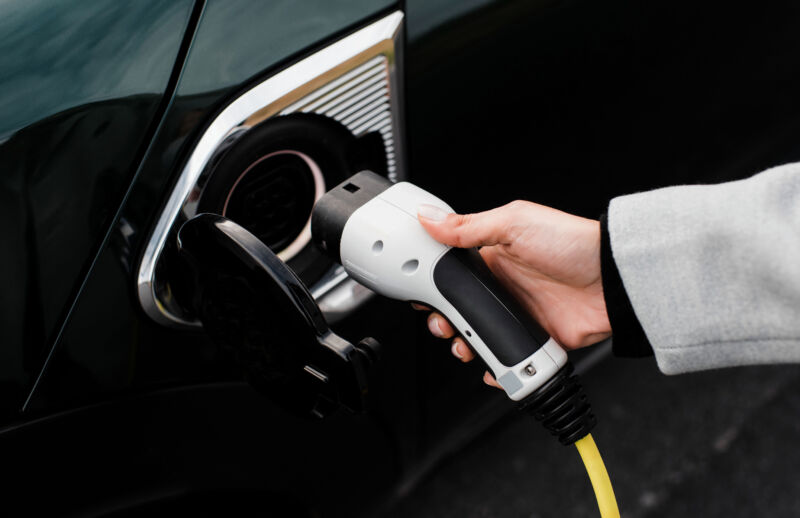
[258, 311]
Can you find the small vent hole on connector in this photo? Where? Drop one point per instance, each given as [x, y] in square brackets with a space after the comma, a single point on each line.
[410, 266]
[468, 333]
[351, 187]
[377, 247]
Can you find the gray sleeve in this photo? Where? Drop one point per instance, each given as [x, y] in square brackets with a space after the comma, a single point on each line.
[713, 271]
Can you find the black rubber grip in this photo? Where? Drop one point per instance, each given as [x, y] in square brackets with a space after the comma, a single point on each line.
[493, 313]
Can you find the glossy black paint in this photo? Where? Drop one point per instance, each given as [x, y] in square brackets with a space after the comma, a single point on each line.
[80, 91]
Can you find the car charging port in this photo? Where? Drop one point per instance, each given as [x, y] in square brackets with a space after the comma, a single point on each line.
[273, 199]
[268, 179]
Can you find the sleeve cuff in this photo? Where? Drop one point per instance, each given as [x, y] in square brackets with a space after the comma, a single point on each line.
[627, 336]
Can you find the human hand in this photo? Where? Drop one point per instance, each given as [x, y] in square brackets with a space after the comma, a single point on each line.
[548, 259]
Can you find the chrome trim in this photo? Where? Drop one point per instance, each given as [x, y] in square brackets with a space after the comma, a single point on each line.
[334, 277]
[345, 297]
[333, 81]
[338, 295]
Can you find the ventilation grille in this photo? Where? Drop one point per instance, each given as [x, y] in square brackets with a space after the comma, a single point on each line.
[360, 101]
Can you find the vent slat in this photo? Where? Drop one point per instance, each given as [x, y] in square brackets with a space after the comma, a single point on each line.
[345, 96]
[343, 111]
[370, 75]
[376, 124]
[377, 107]
[316, 94]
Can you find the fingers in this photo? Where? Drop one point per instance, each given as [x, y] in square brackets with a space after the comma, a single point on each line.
[439, 326]
[420, 307]
[467, 230]
[461, 350]
[489, 380]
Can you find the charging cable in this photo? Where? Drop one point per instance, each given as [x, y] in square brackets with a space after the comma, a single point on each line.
[596, 469]
[563, 408]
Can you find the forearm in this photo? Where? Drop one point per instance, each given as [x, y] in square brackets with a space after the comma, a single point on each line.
[712, 272]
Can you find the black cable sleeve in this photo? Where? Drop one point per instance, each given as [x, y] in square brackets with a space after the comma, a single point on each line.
[627, 336]
[562, 407]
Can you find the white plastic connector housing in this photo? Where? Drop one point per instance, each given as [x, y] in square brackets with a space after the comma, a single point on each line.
[384, 247]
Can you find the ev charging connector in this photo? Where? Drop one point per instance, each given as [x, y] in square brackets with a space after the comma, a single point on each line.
[370, 226]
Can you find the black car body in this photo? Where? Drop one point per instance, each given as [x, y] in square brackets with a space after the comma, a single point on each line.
[107, 409]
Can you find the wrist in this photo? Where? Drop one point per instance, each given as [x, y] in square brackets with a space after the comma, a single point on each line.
[600, 325]
[629, 339]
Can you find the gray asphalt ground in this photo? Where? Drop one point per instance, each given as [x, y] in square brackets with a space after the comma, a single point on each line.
[718, 443]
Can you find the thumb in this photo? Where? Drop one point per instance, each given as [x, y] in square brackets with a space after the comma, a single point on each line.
[466, 230]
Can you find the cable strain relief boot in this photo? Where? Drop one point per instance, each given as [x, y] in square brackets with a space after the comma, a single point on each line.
[562, 407]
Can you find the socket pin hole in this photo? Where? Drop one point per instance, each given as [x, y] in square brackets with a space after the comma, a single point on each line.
[468, 333]
[377, 247]
[410, 266]
[351, 187]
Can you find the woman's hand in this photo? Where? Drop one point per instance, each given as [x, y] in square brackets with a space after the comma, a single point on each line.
[548, 259]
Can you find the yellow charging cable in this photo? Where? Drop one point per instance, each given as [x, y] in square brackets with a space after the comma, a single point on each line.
[599, 477]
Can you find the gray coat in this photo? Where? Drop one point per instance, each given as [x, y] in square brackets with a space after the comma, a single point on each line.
[713, 271]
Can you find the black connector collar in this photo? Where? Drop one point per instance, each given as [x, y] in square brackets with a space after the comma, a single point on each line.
[332, 211]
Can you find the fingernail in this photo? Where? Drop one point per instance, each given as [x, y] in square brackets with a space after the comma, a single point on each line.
[456, 353]
[431, 212]
[433, 325]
